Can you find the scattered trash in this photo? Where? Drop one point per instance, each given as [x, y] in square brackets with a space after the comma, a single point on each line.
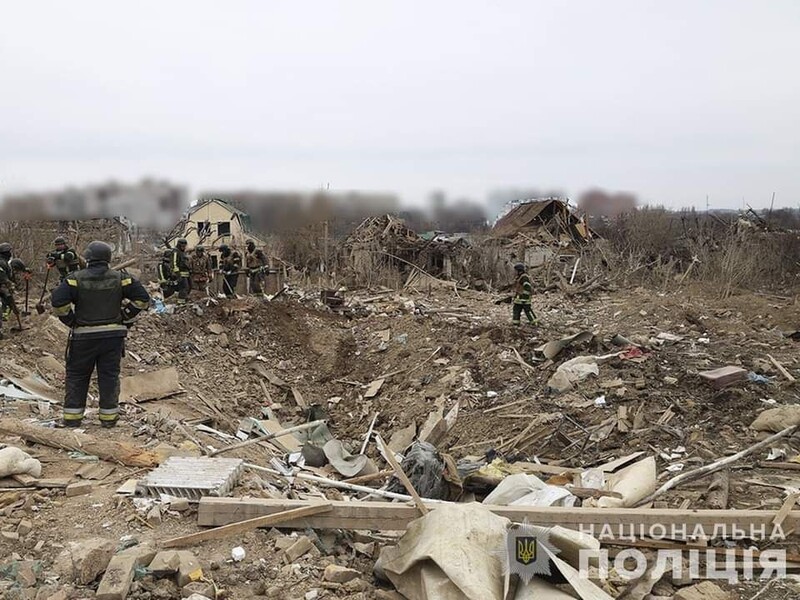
[760, 379]
[529, 490]
[554, 348]
[238, 554]
[14, 461]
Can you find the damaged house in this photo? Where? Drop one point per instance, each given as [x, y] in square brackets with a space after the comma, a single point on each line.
[212, 223]
[385, 248]
[533, 232]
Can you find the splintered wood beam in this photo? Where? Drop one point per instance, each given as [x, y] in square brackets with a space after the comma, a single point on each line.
[384, 516]
[271, 520]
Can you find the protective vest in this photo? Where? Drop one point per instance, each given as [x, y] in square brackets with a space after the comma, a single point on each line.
[99, 299]
[199, 265]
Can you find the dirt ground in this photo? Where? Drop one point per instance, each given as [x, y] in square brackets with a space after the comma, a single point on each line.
[440, 349]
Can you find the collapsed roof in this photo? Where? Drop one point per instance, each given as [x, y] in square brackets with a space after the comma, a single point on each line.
[550, 215]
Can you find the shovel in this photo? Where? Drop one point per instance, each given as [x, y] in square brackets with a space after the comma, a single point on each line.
[27, 290]
[19, 322]
[40, 304]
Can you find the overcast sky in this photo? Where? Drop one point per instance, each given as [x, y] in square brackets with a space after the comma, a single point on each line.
[669, 100]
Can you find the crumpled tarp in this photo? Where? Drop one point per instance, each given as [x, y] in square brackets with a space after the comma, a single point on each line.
[448, 555]
[554, 348]
[455, 553]
[345, 463]
[528, 490]
[572, 372]
[14, 461]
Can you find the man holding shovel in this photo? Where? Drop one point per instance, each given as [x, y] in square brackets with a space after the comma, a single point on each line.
[9, 267]
[64, 258]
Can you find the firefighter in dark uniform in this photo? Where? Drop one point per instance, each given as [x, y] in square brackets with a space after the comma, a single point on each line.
[180, 270]
[522, 296]
[99, 305]
[7, 303]
[9, 268]
[230, 265]
[166, 280]
[256, 264]
[64, 258]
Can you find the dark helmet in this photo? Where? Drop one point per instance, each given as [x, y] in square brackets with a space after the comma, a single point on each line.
[17, 264]
[199, 249]
[5, 248]
[225, 250]
[98, 252]
[59, 241]
[181, 242]
[519, 267]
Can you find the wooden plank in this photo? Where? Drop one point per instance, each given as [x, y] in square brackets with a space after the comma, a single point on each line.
[785, 466]
[787, 507]
[385, 516]
[374, 388]
[286, 442]
[781, 368]
[254, 523]
[298, 398]
[502, 406]
[401, 475]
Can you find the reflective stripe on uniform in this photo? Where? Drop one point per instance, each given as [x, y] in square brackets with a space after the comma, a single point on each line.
[73, 282]
[127, 281]
[73, 414]
[108, 414]
[62, 311]
[99, 328]
[140, 304]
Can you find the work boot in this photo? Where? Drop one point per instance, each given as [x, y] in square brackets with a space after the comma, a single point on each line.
[108, 424]
[70, 423]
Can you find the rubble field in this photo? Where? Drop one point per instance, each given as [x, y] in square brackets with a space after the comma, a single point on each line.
[443, 366]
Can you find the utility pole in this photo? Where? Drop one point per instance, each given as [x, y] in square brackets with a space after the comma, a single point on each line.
[707, 205]
[325, 247]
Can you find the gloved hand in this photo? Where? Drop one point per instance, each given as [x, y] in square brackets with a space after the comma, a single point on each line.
[51, 260]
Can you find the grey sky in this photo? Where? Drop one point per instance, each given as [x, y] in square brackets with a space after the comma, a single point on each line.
[670, 100]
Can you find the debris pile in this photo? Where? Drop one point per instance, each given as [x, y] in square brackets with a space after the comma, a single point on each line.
[295, 449]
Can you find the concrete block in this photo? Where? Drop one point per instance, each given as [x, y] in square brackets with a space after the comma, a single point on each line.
[116, 582]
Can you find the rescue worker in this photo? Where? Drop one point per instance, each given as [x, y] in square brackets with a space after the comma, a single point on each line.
[65, 259]
[523, 290]
[7, 303]
[9, 269]
[99, 305]
[200, 270]
[166, 280]
[230, 264]
[256, 263]
[180, 270]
